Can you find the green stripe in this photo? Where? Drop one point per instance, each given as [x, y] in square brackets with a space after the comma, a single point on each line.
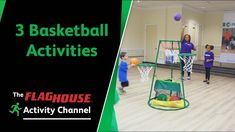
[2, 5]
[146, 65]
[125, 11]
[186, 54]
[108, 118]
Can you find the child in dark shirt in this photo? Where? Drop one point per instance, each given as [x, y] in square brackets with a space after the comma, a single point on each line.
[208, 62]
[186, 47]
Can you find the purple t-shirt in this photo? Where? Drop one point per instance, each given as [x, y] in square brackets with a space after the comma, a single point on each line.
[186, 47]
[208, 55]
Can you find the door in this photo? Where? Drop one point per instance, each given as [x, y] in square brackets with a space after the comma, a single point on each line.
[151, 42]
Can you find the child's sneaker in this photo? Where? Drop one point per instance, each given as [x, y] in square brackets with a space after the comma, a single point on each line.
[121, 91]
[207, 82]
[204, 80]
[124, 91]
[188, 78]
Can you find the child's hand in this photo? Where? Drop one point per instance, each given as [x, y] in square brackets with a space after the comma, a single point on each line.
[184, 26]
[208, 60]
[133, 65]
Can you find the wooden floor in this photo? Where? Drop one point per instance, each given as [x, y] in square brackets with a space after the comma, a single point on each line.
[212, 107]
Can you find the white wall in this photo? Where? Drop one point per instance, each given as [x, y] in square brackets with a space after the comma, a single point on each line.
[156, 17]
[193, 18]
[134, 33]
[213, 30]
[209, 27]
[167, 28]
[173, 28]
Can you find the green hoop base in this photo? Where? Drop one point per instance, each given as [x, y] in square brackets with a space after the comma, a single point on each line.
[168, 108]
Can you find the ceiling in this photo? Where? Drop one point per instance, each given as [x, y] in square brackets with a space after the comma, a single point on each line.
[201, 5]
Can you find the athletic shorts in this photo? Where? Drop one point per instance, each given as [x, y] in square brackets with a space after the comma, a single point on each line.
[125, 84]
[227, 42]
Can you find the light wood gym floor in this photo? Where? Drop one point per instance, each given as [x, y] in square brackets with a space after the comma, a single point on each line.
[212, 107]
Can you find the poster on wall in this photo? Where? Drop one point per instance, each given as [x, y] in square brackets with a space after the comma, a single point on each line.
[228, 38]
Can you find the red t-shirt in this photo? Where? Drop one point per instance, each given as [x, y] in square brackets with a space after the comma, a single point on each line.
[227, 35]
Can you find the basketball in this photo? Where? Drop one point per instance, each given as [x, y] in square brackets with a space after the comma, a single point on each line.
[162, 97]
[177, 17]
[134, 61]
[174, 98]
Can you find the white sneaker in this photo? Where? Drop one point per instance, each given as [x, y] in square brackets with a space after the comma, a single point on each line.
[121, 91]
[188, 78]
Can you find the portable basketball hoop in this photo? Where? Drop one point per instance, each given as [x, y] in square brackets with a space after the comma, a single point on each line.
[168, 94]
[144, 69]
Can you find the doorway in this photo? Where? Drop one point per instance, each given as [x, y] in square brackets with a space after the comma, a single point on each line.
[151, 43]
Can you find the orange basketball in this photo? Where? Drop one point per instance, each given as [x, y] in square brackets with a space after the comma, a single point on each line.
[134, 61]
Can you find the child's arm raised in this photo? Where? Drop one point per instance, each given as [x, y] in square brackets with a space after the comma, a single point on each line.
[182, 32]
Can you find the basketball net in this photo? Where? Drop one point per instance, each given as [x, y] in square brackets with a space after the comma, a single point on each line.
[144, 70]
[188, 63]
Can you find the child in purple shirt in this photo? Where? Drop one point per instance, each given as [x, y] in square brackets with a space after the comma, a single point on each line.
[208, 62]
[186, 47]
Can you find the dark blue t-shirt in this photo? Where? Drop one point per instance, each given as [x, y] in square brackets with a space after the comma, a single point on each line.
[208, 55]
[122, 74]
[186, 47]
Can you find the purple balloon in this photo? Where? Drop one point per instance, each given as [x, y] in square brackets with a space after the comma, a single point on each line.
[177, 16]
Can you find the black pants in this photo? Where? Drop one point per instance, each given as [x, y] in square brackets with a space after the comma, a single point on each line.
[182, 64]
[207, 76]
[227, 42]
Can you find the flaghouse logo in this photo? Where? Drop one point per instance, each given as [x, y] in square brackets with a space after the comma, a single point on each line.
[51, 97]
[15, 109]
[57, 98]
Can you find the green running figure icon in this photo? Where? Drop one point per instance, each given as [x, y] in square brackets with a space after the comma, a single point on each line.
[15, 108]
